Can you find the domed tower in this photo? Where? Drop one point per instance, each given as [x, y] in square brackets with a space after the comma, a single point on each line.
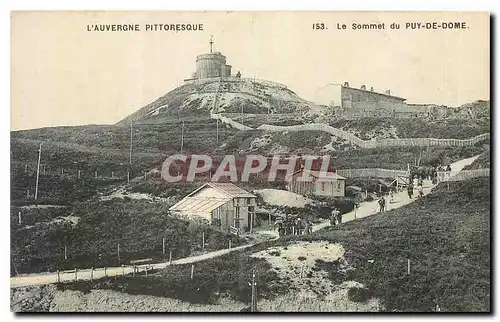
[212, 64]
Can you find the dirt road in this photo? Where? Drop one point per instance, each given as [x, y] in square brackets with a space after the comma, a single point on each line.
[365, 209]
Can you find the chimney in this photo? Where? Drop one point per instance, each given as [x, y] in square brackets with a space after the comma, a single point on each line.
[346, 84]
[371, 88]
[363, 87]
[388, 92]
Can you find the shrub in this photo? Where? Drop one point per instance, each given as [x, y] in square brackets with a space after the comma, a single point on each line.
[359, 294]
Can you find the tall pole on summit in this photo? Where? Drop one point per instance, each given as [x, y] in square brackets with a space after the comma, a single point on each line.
[211, 42]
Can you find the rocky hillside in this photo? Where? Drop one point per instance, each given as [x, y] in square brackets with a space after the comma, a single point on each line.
[228, 97]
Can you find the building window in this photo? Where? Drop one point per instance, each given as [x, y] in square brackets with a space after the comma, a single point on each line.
[338, 185]
[322, 186]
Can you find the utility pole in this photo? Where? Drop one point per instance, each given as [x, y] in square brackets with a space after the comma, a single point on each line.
[130, 142]
[217, 131]
[38, 170]
[253, 305]
[182, 136]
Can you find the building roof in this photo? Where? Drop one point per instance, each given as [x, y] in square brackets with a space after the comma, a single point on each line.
[320, 175]
[373, 92]
[228, 189]
[199, 205]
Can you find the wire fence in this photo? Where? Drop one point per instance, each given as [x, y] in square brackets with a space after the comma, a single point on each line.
[444, 176]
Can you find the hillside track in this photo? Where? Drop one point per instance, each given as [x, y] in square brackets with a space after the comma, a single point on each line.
[365, 209]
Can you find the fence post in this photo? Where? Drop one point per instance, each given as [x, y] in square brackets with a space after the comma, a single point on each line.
[170, 258]
[65, 252]
[76, 273]
[26, 168]
[91, 273]
[192, 271]
[203, 241]
[112, 175]
[123, 270]
[105, 271]
[145, 175]
[146, 271]
[133, 274]
[408, 266]
[230, 244]
[163, 247]
[20, 220]
[128, 176]
[78, 174]
[58, 277]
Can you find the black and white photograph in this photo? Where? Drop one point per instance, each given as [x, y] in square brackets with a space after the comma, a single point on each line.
[250, 161]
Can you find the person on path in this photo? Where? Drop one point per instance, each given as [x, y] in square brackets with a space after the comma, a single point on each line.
[299, 227]
[333, 217]
[381, 203]
[309, 227]
[281, 229]
[410, 191]
[391, 195]
[339, 217]
[420, 191]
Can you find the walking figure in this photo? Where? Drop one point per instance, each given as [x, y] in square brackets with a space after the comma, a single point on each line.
[391, 195]
[410, 191]
[339, 217]
[420, 190]
[333, 217]
[309, 228]
[381, 203]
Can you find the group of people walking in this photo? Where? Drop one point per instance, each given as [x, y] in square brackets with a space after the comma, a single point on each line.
[290, 225]
[335, 217]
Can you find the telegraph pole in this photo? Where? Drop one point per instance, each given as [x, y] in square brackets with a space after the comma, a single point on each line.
[253, 305]
[182, 136]
[217, 131]
[38, 170]
[130, 156]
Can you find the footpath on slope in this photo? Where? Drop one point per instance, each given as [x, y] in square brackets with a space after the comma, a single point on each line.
[365, 209]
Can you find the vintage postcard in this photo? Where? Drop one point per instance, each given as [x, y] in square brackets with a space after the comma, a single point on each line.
[250, 161]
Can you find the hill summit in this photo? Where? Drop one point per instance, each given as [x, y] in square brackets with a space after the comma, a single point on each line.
[246, 95]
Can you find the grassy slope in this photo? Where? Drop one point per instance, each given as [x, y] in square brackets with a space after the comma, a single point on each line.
[415, 128]
[105, 149]
[446, 235]
[138, 226]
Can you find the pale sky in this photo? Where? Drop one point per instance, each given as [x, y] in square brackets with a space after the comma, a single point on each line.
[62, 74]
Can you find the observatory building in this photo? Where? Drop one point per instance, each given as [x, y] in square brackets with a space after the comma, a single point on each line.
[211, 65]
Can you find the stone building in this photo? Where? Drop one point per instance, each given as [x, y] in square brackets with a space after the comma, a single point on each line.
[350, 101]
[211, 65]
[327, 184]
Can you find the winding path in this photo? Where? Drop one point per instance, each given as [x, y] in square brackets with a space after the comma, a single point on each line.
[365, 209]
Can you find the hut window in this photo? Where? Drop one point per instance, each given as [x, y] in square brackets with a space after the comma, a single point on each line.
[322, 186]
[338, 184]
